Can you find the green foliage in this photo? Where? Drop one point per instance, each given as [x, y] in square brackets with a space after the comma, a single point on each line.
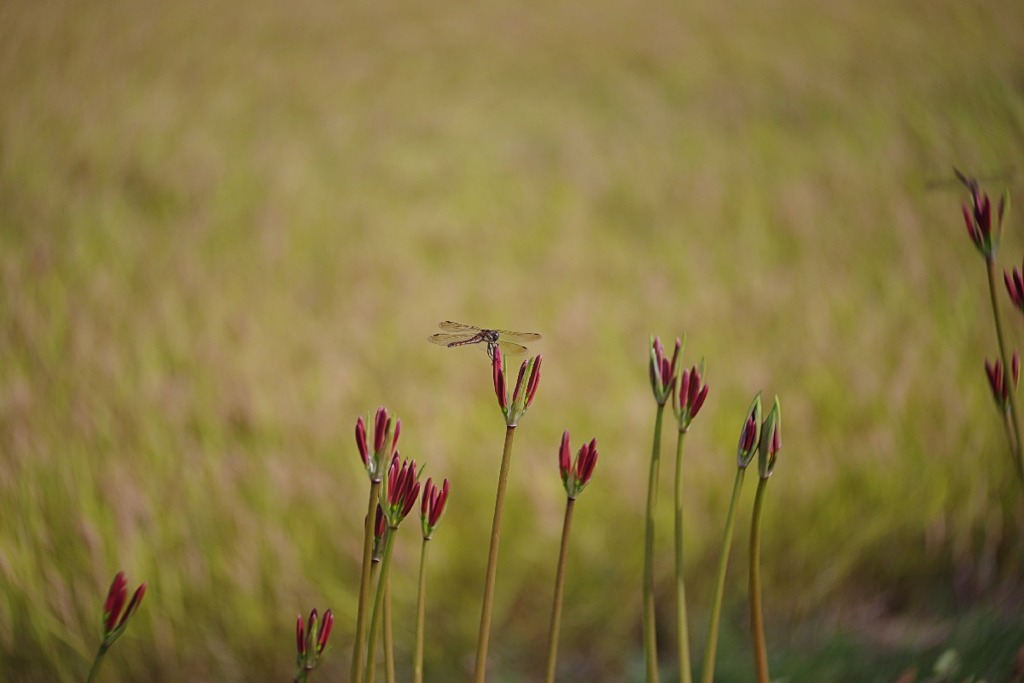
[225, 232]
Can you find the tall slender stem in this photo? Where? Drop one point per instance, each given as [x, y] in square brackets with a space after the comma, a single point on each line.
[364, 586]
[378, 602]
[1017, 452]
[492, 561]
[756, 615]
[370, 665]
[95, 669]
[421, 616]
[389, 636]
[556, 608]
[711, 648]
[650, 627]
[682, 631]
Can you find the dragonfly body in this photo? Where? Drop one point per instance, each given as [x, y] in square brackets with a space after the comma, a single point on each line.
[457, 334]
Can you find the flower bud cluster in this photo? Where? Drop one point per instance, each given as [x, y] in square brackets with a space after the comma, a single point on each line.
[576, 473]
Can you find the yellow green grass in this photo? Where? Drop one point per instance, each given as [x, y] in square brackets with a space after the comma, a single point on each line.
[227, 229]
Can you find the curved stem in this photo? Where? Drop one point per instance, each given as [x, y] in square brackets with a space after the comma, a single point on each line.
[492, 561]
[650, 627]
[756, 616]
[1016, 451]
[556, 608]
[421, 616]
[682, 631]
[364, 586]
[711, 648]
[382, 579]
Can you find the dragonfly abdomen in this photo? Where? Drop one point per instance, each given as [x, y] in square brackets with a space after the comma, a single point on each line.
[489, 337]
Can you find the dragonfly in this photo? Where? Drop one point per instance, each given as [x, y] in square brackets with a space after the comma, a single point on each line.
[973, 183]
[457, 334]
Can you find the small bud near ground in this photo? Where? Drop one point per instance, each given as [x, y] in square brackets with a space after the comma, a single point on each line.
[311, 641]
[115, 614]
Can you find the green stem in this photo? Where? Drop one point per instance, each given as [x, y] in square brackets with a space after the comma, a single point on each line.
[378, 603]
[364, 585]
[95, 669]
[370, 665]
[1016, 452]
[1008, 429]
[682, 631]
[421, 616]
[389, 636]
[756, 616]
[650, 627]
[556, 609]
[492, 561]
[708, 672]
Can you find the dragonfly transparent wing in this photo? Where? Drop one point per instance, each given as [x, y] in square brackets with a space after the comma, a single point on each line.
[518, 336]
[449, 326]
[511, 348]
[448, 339]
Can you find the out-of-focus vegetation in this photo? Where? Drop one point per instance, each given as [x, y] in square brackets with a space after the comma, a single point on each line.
[227, 228]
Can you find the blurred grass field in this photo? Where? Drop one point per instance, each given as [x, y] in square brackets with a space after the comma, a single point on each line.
[226, 230]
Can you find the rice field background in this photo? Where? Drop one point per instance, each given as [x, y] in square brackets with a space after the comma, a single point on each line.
[226, 230]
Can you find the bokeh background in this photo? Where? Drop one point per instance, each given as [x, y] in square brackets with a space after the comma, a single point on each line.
[226, 230]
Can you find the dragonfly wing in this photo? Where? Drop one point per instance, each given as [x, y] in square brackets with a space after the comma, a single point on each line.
[519, 336]
[447, 339]
[449, 326]
[511, 348]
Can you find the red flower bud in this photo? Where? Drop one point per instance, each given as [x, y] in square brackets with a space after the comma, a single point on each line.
[364, 451]
[325, 631]
[576, 475]
[434, 501]
[519, 381]
[310, 630]
[498, 372]
[1015, 288]
[691, 397]
[662, 370]
[978, 217]
[115, 613]
[133, 604]
[749, 434]
[402, 489]
[380, 426]
[564, 464]
[531, 389]
[1000, 383]
[116, 596]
